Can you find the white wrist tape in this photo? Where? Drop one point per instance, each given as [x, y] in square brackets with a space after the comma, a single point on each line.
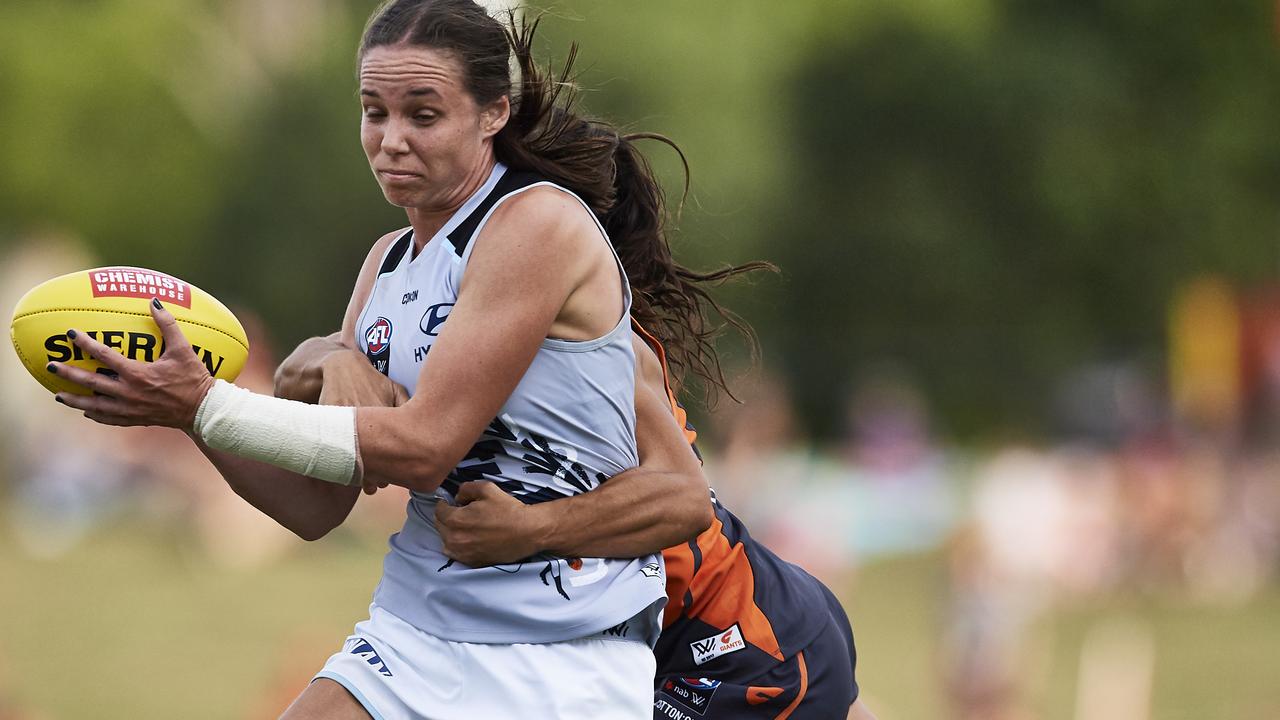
[315, 440]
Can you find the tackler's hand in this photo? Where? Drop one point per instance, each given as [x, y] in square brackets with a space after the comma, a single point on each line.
[167, 392]
[488, 526]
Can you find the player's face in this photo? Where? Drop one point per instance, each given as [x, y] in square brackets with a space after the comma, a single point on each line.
[423, 133]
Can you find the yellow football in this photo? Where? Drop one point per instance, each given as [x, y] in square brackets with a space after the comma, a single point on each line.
[110, 305]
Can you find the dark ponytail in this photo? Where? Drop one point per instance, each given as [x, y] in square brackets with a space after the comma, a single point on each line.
[547, 136]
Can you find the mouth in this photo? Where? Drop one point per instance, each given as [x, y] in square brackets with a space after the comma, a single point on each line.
[398, 175]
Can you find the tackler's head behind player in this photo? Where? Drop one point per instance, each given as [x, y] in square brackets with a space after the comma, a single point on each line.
[434, 91]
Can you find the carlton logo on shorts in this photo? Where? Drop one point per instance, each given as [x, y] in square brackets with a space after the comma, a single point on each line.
[719, 644]
[363, 650]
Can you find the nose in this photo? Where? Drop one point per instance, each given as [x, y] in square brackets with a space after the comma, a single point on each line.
[395, 139]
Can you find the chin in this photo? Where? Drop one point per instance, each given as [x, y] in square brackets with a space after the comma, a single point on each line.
[402, 198]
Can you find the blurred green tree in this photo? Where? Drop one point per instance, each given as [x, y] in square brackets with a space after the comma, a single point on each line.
[989, 212]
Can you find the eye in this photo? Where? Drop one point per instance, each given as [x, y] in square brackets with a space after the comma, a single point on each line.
[373, 113]
[425, 117]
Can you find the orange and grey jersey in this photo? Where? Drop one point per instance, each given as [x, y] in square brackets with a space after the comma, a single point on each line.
[568, 425]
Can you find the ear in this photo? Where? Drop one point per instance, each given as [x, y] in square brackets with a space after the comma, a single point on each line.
[494, 117]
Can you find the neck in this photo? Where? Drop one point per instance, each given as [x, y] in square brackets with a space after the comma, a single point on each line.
[427, 221]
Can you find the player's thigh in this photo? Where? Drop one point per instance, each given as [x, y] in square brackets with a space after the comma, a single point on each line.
[325, 699]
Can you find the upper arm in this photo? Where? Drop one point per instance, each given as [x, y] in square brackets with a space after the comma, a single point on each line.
[364, 286]
[527, 262]
[659, 441]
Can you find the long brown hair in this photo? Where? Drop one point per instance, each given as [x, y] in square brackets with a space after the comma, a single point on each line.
[546, 135]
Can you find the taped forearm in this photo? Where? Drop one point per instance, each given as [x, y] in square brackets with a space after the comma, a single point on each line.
[313, 440]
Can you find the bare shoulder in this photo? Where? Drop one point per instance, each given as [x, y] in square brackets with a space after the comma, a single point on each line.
[547, 216]
[364, 284]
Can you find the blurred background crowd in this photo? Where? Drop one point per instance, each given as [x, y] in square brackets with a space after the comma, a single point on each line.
[1018, 392]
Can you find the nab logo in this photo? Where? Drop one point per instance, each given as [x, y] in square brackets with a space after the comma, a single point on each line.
[434, 317]
[693, 693]
[378, 336]
[713, 647]
[651, 570]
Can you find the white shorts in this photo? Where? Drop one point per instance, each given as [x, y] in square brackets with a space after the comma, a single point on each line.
[398, 672]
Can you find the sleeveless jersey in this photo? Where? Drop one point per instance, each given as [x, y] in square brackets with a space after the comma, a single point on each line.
[568, 426]
[734, 608]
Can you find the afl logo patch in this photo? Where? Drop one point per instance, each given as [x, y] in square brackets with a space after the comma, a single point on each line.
[434, 317]
[378, 336]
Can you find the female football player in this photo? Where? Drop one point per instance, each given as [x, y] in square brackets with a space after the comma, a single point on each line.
[507, 279]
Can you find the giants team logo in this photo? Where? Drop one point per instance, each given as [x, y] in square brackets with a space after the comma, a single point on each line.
[377, 341]
[720, 644]
[139, 283]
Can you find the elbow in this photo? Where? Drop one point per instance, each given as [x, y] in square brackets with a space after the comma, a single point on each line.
[697, 511]
[314, 529]
[311, 532]
[701, 516]
[322, 518]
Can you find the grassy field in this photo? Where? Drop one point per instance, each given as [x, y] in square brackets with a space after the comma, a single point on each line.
[135, 624]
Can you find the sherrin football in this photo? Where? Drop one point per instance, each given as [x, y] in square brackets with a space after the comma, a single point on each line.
[110, 304]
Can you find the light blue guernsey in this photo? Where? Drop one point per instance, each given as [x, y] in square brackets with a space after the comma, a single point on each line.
[568, 426]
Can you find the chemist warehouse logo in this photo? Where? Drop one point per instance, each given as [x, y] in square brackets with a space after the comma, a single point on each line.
[720, 644]
[139, 283]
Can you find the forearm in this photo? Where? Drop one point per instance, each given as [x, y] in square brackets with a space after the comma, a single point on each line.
[399, 446]
[636, 513]
[307, 507]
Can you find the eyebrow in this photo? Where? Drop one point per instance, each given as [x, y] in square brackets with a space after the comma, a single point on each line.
[415, 92]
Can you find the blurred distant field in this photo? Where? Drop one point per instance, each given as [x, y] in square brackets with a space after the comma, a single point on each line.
[134, 625]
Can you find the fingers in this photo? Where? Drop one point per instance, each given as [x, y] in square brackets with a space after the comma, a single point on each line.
[99, 383]
[96, 350]
[467, 492]
[173, 337]
[474, 491]
[98, 408]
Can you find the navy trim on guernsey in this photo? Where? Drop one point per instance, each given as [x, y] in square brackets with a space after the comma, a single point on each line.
[397, 251]
[511, 181]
